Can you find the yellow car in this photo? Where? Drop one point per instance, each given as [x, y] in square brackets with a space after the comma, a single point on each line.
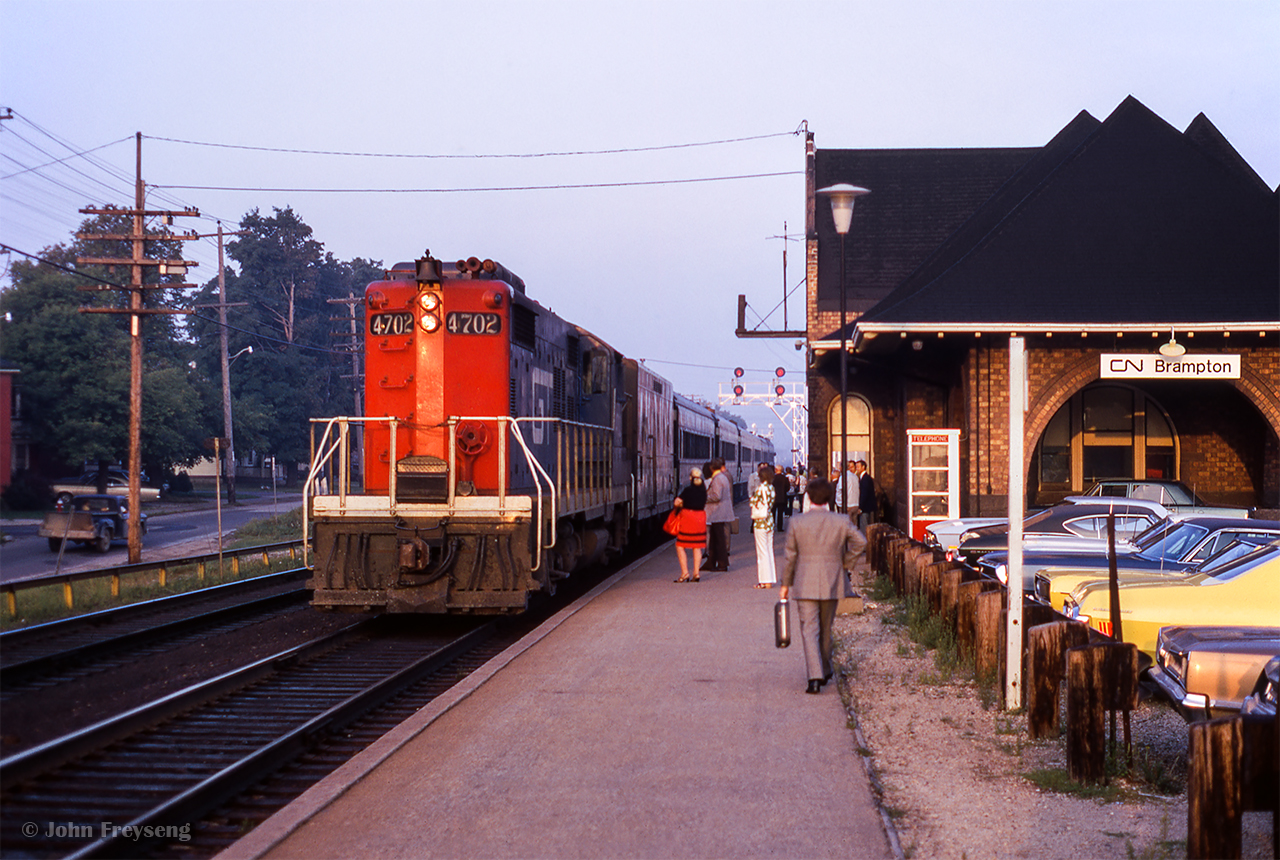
[1054, 584]
[1245, 593]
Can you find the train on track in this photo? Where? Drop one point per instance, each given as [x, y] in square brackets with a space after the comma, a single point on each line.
[502, 449]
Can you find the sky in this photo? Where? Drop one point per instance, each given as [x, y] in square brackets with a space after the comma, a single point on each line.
[636, 163]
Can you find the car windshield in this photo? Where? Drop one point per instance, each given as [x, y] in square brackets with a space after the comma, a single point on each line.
[1170, 541]
[1240, 557]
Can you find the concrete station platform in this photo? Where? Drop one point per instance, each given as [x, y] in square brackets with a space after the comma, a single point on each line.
[649, 719]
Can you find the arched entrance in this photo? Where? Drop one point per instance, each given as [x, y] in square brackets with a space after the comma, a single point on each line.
[857, 430]
[1106, 430]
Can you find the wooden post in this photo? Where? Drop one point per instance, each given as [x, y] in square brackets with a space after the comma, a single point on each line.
[1086, 734]
[988, 634]
[951, 580]
[1260, 776]
[967, 611]
[1046, 670]
[1214, 751]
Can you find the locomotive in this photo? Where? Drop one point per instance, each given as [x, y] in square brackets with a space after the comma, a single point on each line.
[502, 449]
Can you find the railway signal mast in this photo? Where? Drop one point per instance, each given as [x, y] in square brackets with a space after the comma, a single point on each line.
[790, 403]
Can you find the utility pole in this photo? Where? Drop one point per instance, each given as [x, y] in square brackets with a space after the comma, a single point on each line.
[137, 284]
[228, 464]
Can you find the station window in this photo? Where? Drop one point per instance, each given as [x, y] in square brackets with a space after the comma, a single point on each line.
[1106, 431]
[857, 430]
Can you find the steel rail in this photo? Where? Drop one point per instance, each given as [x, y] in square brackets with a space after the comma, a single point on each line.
[21, 637]
[48, 663]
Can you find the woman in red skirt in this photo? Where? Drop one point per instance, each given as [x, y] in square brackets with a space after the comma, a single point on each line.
[692, 504]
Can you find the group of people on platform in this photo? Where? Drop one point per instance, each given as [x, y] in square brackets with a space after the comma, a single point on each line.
[822, 543]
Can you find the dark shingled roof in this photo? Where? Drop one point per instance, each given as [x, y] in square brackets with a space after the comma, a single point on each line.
[1124, 221]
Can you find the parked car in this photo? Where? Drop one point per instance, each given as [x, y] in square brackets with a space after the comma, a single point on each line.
[87, 484]
[1262, 700]
[1176, 496]
[92, 520]
[1059, 583]
[1175, 545]
[1243, 593]
[1064, 526]
[945, 535]
[1209, 671]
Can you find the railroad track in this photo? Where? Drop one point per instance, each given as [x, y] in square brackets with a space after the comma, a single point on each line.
[60, 652]
[167, 764]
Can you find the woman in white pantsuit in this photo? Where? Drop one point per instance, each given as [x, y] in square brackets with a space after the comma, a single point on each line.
[762, 527]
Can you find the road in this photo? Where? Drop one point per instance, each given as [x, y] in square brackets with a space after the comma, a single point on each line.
[195, 527]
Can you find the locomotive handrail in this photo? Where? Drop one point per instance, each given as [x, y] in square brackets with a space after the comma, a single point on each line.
[585, 438]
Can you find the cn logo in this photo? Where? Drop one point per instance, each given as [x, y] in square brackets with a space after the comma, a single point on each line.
[1125, 365]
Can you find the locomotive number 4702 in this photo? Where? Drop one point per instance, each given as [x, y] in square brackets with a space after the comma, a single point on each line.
[466, 322]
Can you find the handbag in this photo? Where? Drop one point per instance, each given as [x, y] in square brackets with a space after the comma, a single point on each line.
[672, 525]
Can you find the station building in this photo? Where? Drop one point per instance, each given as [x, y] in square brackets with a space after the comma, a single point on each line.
[1115, 239]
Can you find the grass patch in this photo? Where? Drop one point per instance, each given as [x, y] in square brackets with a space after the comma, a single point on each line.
[1057, 780]
[287, 526]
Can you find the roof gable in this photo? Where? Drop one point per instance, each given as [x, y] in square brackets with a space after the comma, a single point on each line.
[1133, 222]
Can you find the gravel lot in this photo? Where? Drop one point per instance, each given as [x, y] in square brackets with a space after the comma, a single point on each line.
[950, 764]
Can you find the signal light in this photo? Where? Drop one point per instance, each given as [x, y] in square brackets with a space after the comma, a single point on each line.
[779, 389]
[780, 372]
[737, 372]
[429, 322]
[737, 391]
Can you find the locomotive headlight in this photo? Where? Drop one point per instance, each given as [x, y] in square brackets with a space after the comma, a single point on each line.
[429, 302]
[430, 323]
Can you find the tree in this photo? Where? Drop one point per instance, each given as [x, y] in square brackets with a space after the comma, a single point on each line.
[297, 371]
[75, 366]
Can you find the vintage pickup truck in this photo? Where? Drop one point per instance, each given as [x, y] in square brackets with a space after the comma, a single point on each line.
[93, 520]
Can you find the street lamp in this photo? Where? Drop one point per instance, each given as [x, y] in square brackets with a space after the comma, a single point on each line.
[842, 198]
[226, 417]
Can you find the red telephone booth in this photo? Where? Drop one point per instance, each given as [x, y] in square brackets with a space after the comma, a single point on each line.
[933, 477]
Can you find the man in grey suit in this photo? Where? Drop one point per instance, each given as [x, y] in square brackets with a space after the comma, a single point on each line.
[821, 545]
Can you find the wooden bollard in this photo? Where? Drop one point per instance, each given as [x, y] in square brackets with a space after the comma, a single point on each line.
[1046, 669]
[988, 634]
[966, 611]
[916, 558]
[1214, 752]
[932, 583]
[1100, 677]
[951, 579]
[1260, 772]
[1086, 725]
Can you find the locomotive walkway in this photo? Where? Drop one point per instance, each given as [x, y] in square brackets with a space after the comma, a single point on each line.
[649, 719]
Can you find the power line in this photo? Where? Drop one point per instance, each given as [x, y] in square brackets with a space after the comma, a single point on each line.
[476, 155]
[491, 188]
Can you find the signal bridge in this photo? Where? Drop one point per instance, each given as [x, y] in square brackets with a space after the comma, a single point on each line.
[789, 402]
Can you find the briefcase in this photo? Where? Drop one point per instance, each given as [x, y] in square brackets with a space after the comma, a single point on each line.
[781, 624]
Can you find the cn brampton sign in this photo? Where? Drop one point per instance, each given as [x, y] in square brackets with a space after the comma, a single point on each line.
[1135, 366]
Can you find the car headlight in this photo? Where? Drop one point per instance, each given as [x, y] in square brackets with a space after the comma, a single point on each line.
[1002, 573]
[1042, 588]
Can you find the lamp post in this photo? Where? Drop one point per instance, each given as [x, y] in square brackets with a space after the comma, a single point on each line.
[226, 417]
[842, 198]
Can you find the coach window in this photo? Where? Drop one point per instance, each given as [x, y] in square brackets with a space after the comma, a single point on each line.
[857, 429]
[1107, 431]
